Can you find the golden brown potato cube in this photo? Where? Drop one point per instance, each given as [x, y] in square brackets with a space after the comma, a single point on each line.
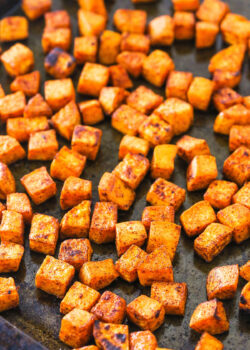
[200, 93]
[34, 9]
[10, 150]
[20, 203]
[90, 23]
[91, 111]
[239, 135]
[18, 60]
[188, 147]
[104, 219]
[67, 163]
[243, 195]
[237, 217]
[112, 189]
[236, 166]
[142, 340]
[156, 131]
[14, 28]
[85, 49]
[207, 341]
[12, 106]
[75, 252]
[201, 171]
[21, 128]
[119, 77]
[96, 6]
[245, 271]
[39, 185]
[54, 276]
[29, 83]
[226, 79]
[229, 59]
[222, 282]
[132, 62]
[7, 181]
[86, 140]
[156, 267]
[37, 107]
[79, 296]
[144, 100]
[58, 93]
[205, 34]
[127, 120]
[57, 19]
[212, 241]
[74, 191]
[44, 234]
[10, 257]
[244, 303]
[42, 145]
[163, 161]
[161, 30]
[146, 313]
[235, 29]
[59, 63]
[76, 328]
[12, 227]
[246, 100]
[163, 192]
[130, 21]
[184, 25]
[98, 274]
[186, 5]
[56, 38]
[76, 222]
[225, 98]
[195, 219]
[127, 265]
[172, 296]
[212, 11]
[209, 316]
[134, 145]
[129, 233]
[111, 98]
[92, 79]
[9, 297]
[178, 84]
[135, 43]
[157, 213]
[115, 335]
[2, 208]
[220, 193]
[109, 47]
[132, 169]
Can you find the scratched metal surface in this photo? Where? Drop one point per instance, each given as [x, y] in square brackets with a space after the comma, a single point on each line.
[38, 314]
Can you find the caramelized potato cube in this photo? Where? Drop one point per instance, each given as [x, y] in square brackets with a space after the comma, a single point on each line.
[245, 271]
[172, 296]
[132, 62]
[239, 135]
[21, 128]
[10, 150]
[236, 166]
[220, 193]
[135, 43]
[57, 19]
[85, 49]
[201, 171]
[161, 30]
[222, 282]
[109, 47]
[130, 21]
[12, 227]
[2, 93]
[20, 203]
[205, 34]
[119, 77]
[92, 79]
[104, 219]
[209, 316]
[7, 181]
[96, 6]
[163, 161]
[133, 145]
[90, 23]
[188, 147]
[244, 303]
[116, 335]
[86, 140]
[98, 274]
[235, 29]
[91, 111]
[75, 252]
[34, 9]
[207, 341]
[39, 185]
[111, 98]
[200, 93]
[212, 11]
[9, 297]
[144, 100]
[76, 222]
[229, 59]
[212, 241]
[178, 84]
[225, 98]
[243, 195]
[246, 101]
[184, 25]
[156, 131]
[74, 191]
[186, 5]
[58, 93]
[2, 208]
[157, 213]
[56, 38]
[43, 145]
[29, 83]
[223, 79]
[146, 313]
[76, 328]
[12, 106]
[10, 256]
[79, 296]
[18, 60]
[37, 107]
[14, 28]
[59, 63]
[142, 340]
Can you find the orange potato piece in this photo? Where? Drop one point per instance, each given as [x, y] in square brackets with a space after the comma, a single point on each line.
[236, 166]
[178, 84]
[200, 93]
[119, 77]
[2, 208]
[229, 59]
[184, 25]
[59, 37]
[86, 140]
[144, 100]
[59, 63]
[9, 297]
[201, 171]
[220, 193]
[157, 213]
[142, 340]
[20, 203]
[243, 195]
[161, 30]
[188, 147]
[34, 9]
[10, 150]
[186, 5]
[244, 303]
[37, 107]
[225, 98]
[10, 256]
[206, 33]
[92, 79]
[223, 79]
[111, 98]
[2, 93]
[57, 19]
[7, 181]
[134, 145]
[130, 21]
[96, 6]
[235, 28]
[43, 145]
[245, 271]
[12, 227]
[75, 252]
[74, 191]
[132, 62]
[58, 93]
[107, 333]
[21, 128]
[135, 43]
[156, 131]
[18, 60]
[91, 111]
[29, 84]
[163, 161]
[14, 28]
[109, 47]
[207, 341]
[12, 106]
[85, 49]
[212, 11]
[90, 23]
[239, 135]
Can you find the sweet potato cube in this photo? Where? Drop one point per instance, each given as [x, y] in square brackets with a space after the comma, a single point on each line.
[34, 9]
[132, 62]
[10, 257]
[239, 135]
[98, 274]
[200, 93]
[92, 79]
[130, 21]
[44, 234]
[222, 282]
[10, 150]
[76, 222]
[144, 100]
[58, 93]
[243, 196]
[172, 295]
[226, 79]
[212, 11]
[96, 6]
[220, 193]
[56, 37]
[225, 98]
[127, 265]
[91, 111]
[90, 23]
[12, 227]
[2, 208]
[246, 101]
[29, 83]
[146, 313]
[86, 140]
[157, 213]
[14, 28]
[37, 107]
[74, 191]
[39, 185]
[57, 19]
[9, 297]
[188, 147]
[119, 77]
[156, 131]
[201, 171]
[134, 145]
[135, 43]
[184, 25]
[116, 335]
[76, 328]
[163, 161]
[85, 49]
[21, 128]
[110, 189]
[163, 192]
[236, 166]
[12, 106]
[161, 30]
[111, 98]
[244, 303]
[104, 219]
[89, 347]
[109, 47]
[178, 84]
[20, 203]
[18, 60]
[7, 181]
[67, 163]
[142, 340]
[235, 29]
[209, 316]
[245, 271]
[59, 63]
[2, 93]
[205, 34]
[229, 59]
[212, 241]
[207, 341]
[186, 5]
[75, 252]
[43, 145]
[79, 296]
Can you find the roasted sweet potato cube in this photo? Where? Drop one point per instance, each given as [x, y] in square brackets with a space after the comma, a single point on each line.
[135, 43]
[201, 171]
[235, 29]
[21, 128]
[57, 19]
[244, 303]
[79, 296]
[96, 6]
[20, 203]
[10, 257]
[157, 213]
[92, 79]
[76, 222]
[34, 9]
[67, 163]
[237, 217]
[119, 77]
[12, 106]
[104, 219]
[9, 297]
[75, 252]
[2, 93]
[2, 208]
[243, 196]
[109, 47]
[156, 131]
[245, 271]
[246, 101]
[134, 145]
[225, 98]
[144, 100]
[146, 313]
[163, 192]
[58, 93]
[76, 328]
[186, 5]
[127, 120]
[112, 189]
[205, 34]
[14, 28]
[42, 145]
[209, 316]
[88, 347]
[130, 21]
[207, 341]
[178, 84]
[116, 335]
[220, 193]
[90, 23]
[7, 181]
[142, 340]
[85, 49]
[18, 60]
[98, 274]
[132, 62]
[222, 282]
[39, 185]
[74, 191]
[29, 83]
[200, 93]
[188, 147]
[10, 150]
[37, 107]
[86, 140]
[239, 135]
[12, 227]
[172, 295]
[161, 30]
[223, 79]
[56, 37]
[212, 11]
[212, 241]
[229, 59]
[91, 111]
[59, 63]
[163, 161]
[184, 25]
[111, 98]
[236, 166]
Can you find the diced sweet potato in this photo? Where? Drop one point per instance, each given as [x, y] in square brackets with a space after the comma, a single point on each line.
[229, 59]
[201, 171]
[10, 256]
[116, 335]
[57, 19]
[178, 84]
[205, 34]
[200, 93]
[235, 29]
[18, 60]
[161, 30]
[243, 195]
[91, 111]
[21, 128]
[10, 150]
[12, 227]
[130, 21]
[157, 213]
[37, 107]
[92, 79]
[135, 43]
[188, 147]
[236, 166]
[223, 79]
[144, 100]
[127, 120]
[9, 297]
[34, 9]
[119, 77]
[186, 5]
[7, 181]
[142, 340]
[85, 49]
[207, 341]
[74, 191]
[109, 47]
[132, 62]
[86, 140]
[212, 11]
[156, 131]
[246, 101]
[12, 106]
[58, 93]
[184, 25]
[59, 64]
[90, 23]
[220, 192]
[239, 135]
[2, 208]
[75, 252]
[225, 98]
[2, 93]
[20, 203]
[14, 28]
[111, 98]
[96, 6]
[134, 145]
[244, 303]
[42, 145]
[29, 83]
[56, 37]
[245, 271]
